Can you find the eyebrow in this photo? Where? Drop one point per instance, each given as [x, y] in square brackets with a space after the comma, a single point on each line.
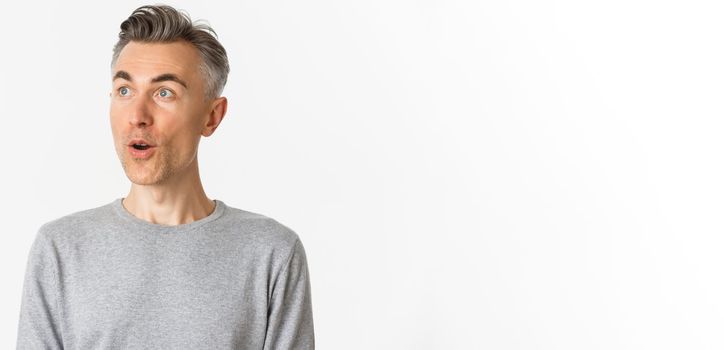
[163, 77]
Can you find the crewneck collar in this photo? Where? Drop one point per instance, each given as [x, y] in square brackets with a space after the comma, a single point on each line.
[144, 225]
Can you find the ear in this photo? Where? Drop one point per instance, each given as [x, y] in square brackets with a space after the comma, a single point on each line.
[215, 115]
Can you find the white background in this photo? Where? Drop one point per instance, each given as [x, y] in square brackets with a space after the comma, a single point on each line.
[463, 174]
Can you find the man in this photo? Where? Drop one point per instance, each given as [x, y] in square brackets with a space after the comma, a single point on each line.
[165, 267]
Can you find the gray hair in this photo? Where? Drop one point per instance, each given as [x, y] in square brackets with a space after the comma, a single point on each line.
[165, 24]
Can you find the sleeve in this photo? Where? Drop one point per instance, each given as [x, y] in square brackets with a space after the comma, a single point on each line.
[39, 325]
[289, 322]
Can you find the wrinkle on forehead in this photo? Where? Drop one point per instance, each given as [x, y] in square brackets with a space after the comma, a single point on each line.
[144, 61]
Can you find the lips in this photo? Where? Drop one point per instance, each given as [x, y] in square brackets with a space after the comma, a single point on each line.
[141, 149]
[140, 142]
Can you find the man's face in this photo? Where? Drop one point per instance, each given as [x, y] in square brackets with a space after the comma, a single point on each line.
[158, 96]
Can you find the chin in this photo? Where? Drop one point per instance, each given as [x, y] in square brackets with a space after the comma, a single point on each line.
[141, 180]
[145, 176]
[139, 175]
[147, 172]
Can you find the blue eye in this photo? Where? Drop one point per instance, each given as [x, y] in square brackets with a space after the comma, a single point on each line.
[165, 93]
[123, 91]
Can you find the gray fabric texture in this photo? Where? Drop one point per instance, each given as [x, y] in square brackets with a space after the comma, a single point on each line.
[102, 278]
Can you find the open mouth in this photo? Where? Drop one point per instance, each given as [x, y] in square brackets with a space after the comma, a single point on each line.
[141, 150]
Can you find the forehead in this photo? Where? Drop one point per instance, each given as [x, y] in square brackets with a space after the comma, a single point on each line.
[151, 59]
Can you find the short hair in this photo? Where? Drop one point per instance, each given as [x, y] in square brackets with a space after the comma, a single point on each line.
[165, 24]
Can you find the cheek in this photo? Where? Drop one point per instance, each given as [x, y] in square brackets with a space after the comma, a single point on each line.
[116, 117]
[116, 106]
[184, 144]
[116, 126]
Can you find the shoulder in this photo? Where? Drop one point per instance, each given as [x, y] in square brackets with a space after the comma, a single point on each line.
[68, 227]
[260, 230]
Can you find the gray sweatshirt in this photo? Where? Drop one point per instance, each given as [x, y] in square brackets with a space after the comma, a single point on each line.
[104, 279]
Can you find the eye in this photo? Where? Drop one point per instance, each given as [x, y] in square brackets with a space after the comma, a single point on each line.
[165, 93]
[124, 91]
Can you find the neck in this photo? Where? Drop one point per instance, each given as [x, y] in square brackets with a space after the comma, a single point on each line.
[177, 201]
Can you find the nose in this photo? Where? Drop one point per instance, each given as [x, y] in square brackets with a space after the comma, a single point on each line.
[140, 112]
